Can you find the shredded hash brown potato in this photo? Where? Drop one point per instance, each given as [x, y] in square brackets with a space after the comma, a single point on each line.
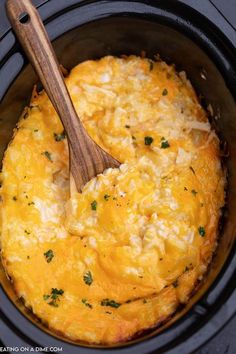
[120, 257]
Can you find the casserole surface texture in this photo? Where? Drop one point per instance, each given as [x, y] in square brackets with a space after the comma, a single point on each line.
[120, 257]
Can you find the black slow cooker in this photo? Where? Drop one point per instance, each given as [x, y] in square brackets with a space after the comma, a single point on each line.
[198, 39]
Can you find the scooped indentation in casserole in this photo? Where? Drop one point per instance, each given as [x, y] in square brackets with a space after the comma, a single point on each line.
[120, 257]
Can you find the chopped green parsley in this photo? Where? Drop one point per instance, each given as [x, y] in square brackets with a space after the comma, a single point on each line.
[86, 303]
[194, 192]
[55, 293]
[49, 255]
[148, 140]
[54, 297]
[111, 303]
[201, 231]
[48, 155]
[164, 143]
[88, 278]
[60, 137]
[94, 205]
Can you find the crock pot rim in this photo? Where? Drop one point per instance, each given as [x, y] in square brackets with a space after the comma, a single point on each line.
[120, 348]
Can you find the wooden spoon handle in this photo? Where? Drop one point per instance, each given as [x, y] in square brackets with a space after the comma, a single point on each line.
[32, 35]
[87, 159]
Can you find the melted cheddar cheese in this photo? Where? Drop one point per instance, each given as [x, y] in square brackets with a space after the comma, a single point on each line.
[120, 257]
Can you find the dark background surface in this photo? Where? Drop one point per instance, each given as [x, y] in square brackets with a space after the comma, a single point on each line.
[227, 9]
[225, 341]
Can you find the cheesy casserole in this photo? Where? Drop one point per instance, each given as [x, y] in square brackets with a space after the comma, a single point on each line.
[120, 257]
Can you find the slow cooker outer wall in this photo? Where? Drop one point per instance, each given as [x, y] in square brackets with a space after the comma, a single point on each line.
[109, 36]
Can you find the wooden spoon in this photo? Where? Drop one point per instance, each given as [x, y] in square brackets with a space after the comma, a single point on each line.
[87, 159]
